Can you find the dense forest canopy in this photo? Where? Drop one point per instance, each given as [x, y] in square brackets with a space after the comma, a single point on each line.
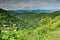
[29, 25]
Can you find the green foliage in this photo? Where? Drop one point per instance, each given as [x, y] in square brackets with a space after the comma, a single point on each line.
[29, 26]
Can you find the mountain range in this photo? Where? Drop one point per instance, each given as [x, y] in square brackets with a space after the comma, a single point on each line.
[34, 11]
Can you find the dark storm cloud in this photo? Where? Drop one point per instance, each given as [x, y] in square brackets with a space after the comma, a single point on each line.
[29, 4]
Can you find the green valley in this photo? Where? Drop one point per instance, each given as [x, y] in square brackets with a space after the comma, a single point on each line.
[29, 25]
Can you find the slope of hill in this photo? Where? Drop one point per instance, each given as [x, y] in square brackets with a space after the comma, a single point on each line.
[29, 26]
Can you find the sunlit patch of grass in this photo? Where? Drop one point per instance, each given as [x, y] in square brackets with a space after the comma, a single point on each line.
[53, 35]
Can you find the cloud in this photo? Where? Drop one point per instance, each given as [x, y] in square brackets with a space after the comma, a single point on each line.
[29, 4]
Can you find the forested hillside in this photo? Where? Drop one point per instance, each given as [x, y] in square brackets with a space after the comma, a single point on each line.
[29, 25]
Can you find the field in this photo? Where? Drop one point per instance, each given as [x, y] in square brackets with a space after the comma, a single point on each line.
[29, 25]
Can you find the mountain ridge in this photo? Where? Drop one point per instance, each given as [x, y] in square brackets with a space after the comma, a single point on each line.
[35, 11]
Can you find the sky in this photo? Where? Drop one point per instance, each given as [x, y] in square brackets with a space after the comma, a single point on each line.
[29, 4]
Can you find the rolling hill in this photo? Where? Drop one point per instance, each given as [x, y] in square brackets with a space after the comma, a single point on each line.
[29, 25]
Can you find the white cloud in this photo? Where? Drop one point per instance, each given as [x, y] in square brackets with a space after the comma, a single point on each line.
[29, 4]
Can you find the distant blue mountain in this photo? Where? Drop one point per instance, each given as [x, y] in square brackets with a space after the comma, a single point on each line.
[35, 11]
[20, 11]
